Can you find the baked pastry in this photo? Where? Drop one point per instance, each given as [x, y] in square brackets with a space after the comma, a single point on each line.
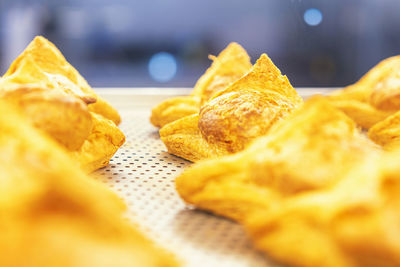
[231, 64]
[387, 132]
[100, 146]
[234, 116]
[311, 149]
[374, 97]
[352, 224]
[58, 101]
[313, 192]
[52, 214]
[64, 117]
[43, 64]
[364, 114]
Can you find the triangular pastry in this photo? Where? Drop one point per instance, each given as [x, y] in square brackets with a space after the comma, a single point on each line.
[311, 149]
[42, 63]
[64, 117]
[313, 192]
[231, 64]
[353, 224]
[52, 214]
[100, 146]
[234, 116]
[374, 97]
[58, 101]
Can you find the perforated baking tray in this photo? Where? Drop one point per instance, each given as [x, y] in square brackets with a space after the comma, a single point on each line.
[143, 173]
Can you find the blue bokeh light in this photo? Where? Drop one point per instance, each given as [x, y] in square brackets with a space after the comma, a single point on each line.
[313, 16]
[162, 67]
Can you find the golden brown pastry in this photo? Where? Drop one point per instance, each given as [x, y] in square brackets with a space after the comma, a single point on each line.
[52, 214]
[64, 117]
[313, 192]
[364, 114]
[42, 63]
[102, 143]
[374, 97]
[311, 149]
[234, 116]
[173, 109]
[354, 224]
[387, 132]
[58, 101]
[231, 64]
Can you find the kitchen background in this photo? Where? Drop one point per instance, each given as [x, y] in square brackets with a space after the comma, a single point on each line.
[165, 43]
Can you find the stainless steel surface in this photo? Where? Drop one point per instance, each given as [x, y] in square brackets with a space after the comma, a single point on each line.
[143, 173]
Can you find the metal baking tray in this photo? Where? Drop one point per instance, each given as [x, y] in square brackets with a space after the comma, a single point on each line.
[143, 173]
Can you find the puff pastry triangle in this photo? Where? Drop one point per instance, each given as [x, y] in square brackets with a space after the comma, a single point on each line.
[232, 63]
[54, 214]
[43, 64]
[58, 101]
[374, 97]
[353, 224]
[312, 149]
[234, 116]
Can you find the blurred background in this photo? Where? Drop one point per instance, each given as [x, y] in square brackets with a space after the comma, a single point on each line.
[165, 43]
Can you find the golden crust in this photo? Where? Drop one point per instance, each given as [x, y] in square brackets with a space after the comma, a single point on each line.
[232, 63]
[364, 114]
[43, 64]
[374, 97]
[274, 166]
[234, 119]
[183, 139]
[102, 143]
[58, 101]
[263, 76]
[352, 224]
[386, 94]
[173, 109]
[234, 116]
[313, 192]
[387, 132]
[65, 118]
[54, 214]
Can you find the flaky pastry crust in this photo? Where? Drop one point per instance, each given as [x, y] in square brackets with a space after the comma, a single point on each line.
[374, 97]
[58, 101]
[234, 116]
[231, 64]
[43, 64]
[353, 224]
[313, 192]
[52, 214]
[312, 149]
